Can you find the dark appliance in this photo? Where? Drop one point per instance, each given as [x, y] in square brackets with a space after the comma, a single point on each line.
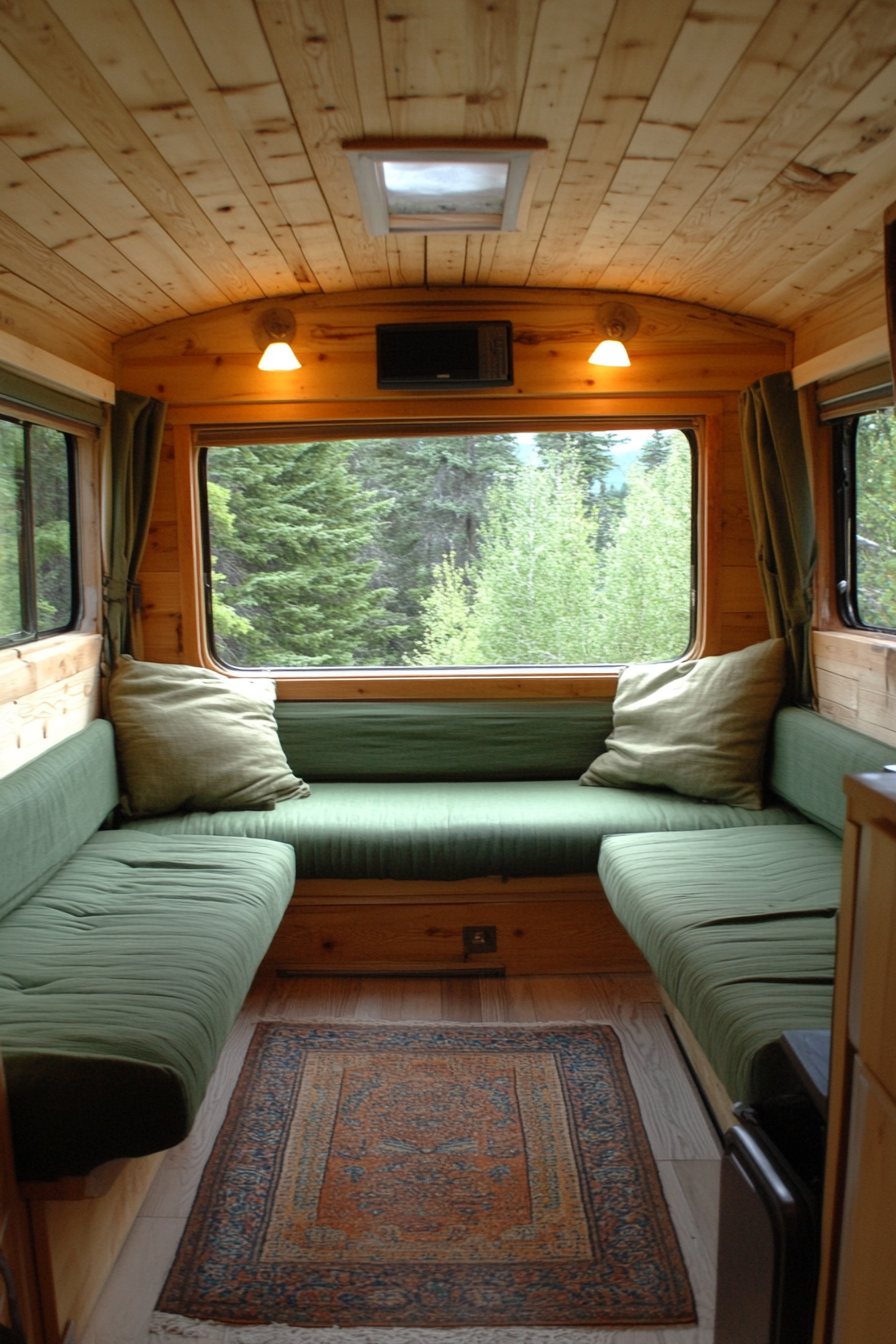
[434, 356]
[769, 1220]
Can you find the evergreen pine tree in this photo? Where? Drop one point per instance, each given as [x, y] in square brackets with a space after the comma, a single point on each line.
[293, 562]
[437, 488]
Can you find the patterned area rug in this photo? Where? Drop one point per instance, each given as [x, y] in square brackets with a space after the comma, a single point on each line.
[415, 1176]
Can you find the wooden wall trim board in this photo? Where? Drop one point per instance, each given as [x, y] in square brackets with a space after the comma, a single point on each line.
[49, 368]
[851, 354]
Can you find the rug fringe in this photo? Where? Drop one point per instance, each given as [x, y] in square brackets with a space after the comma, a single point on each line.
[167, 1329]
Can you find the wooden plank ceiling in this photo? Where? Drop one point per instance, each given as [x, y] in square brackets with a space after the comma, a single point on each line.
[166, 157]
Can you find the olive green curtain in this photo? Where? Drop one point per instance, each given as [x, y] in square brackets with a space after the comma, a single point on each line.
[780, 499]
[135, 448]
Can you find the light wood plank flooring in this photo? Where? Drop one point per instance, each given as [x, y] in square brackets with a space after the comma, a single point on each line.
[683, 1140]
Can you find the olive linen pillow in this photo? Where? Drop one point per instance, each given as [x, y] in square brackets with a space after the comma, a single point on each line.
[698, 728]
[189, 741]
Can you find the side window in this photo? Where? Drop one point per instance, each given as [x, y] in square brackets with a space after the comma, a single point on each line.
[38, 548]
[866, 498]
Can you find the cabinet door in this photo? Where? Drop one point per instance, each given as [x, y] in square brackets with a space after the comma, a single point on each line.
[866, 1285]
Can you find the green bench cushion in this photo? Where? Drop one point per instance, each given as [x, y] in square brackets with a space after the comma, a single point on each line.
[810, 756]
[457, 830]
[119, 982]
[739, 928]
[431, 740]
[50, 806]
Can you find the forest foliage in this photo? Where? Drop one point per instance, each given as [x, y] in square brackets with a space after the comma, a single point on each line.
[35, 561]
[876, 519]
[455, 550]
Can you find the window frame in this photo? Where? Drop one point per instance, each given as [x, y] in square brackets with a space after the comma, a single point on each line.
[844, 434]
[27, 561]
[498, 674]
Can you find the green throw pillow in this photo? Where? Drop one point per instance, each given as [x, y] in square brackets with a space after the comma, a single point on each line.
[698, 728]
[189, 740]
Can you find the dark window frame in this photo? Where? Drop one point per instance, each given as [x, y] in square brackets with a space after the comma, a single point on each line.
[845, 522]
[302, 435]
[27, 562]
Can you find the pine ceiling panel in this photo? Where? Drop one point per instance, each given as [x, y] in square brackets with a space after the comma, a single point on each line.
[309, 42]
[499, 40]
[175, 42]
[565, 50]
[231, 41]
[51, 220]
[41, 43]
[33, 128]
[682, 96]
[423, 53]
[722, 225]
[787, 41]
[631, 60]
[166, 157]
[858, 204]
[115, 38]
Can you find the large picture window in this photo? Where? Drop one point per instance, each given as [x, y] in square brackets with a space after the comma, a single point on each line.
[38, 591]
[866, 496]
[540, 549]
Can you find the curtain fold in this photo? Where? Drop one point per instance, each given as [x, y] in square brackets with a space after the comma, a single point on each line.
[136, 447]
[780, 500]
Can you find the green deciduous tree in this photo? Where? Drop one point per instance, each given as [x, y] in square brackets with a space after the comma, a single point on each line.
[530, 595]
[876, 518]
[645, 601]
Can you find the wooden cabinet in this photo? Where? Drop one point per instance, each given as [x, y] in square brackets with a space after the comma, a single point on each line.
[857, 1296]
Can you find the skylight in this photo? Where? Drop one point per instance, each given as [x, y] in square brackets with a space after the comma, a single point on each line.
[423, 187]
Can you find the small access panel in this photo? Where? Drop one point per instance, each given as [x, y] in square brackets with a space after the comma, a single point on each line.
[429, 356]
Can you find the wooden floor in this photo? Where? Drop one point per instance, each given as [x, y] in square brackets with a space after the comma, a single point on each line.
[683, 1141]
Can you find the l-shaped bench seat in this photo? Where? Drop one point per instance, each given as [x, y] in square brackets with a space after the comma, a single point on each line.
[124, 955]
[739, 927]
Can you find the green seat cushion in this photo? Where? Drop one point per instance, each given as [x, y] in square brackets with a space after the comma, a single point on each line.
[326, 741]
[50, 806]
[119, 982]
[457, 830]
[739, 928]
[811, 754]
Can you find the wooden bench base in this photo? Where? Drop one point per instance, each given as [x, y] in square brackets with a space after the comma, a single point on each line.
[77, 1239]
[544, 926]
[713, 1088]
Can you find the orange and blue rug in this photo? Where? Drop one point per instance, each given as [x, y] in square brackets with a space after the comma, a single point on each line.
[427, 1176]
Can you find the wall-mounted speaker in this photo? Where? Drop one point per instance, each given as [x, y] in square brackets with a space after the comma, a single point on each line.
[431, 356]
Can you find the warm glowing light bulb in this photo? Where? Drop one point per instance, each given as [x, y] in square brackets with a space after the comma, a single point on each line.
[612, 354]
[278, 358]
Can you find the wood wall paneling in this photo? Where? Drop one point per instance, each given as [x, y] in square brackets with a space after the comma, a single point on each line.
[48, 690]
[688, 365]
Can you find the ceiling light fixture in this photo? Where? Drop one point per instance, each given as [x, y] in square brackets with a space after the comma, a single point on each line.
[619, 322]
[274, 331]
